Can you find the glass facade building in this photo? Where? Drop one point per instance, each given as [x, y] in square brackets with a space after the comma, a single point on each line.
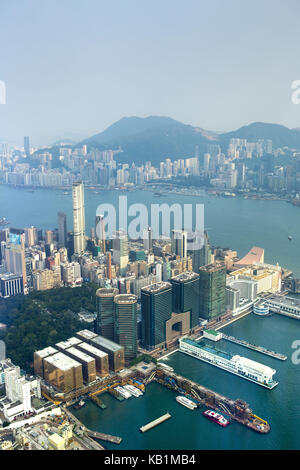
[156, 311]
[125, 324]
[212, 291]
[186, 295]
[105, 312]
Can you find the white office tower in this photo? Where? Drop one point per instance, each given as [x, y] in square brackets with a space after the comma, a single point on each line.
[179, 243]
[147, 237]
[78, 218]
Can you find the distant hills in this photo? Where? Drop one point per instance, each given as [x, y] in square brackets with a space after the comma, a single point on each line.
[155, 138]
[280, 135]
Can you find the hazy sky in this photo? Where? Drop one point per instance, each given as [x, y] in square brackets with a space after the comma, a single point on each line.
[79, 65]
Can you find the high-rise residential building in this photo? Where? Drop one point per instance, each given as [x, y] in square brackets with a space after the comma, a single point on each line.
[186, 295]
[26, 146]
[212, 298]
[78, 218]
[179, 243]
[31, 236]
[62, 229]
[48, 237]
[125, 324]
[105, 312]
[156, 302]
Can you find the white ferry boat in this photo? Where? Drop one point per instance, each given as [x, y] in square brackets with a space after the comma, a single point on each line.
[238, 365]
[133, 390]
[186, 402]
[124, 393]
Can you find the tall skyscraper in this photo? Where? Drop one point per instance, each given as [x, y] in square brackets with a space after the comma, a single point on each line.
[100, 231]
[105, 312]
[125, 324]
[15, 254]
[179, 243]
[78, 218]
[201, 256]
[120, 250]
[62, 229]
[156, 302]
[147, 236]
[186, 295]
[26, 146]
[212, 299]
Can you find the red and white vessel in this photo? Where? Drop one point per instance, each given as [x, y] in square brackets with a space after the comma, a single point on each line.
[216, 417]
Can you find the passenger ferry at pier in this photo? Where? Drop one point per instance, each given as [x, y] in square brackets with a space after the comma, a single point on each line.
[123, 392]
[186, 402]
[216, 417]
[237, 365]
[133, 390]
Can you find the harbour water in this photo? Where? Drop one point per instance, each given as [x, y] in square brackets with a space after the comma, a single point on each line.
[235, 223]
[189, 429]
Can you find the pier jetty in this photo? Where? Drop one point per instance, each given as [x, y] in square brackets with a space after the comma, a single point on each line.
[156, 422]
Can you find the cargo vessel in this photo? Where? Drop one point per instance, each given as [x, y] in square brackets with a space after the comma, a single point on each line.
[216, 417]
[237, 365]
[186, 402]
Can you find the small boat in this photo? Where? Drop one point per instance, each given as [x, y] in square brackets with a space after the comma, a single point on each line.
[79, 405]
[290, 237]
[216, 417]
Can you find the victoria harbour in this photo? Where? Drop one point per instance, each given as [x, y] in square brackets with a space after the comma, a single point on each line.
[237, 224]
[234, 223]
[189, 429]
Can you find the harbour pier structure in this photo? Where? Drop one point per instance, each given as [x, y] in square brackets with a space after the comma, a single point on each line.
[156, 422]
[284, 305]
[237, 410]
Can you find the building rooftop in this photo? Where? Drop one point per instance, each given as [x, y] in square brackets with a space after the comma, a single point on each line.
[80, 355]
[185, 276]
[107, 292]
[211, 268]
[212, 332]
[157, 287]
[125, 299]
[68, 343]
[61, 361]
[86, 334]
[49, 351]
[91, 349]
[106, 343]
[255, 255]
